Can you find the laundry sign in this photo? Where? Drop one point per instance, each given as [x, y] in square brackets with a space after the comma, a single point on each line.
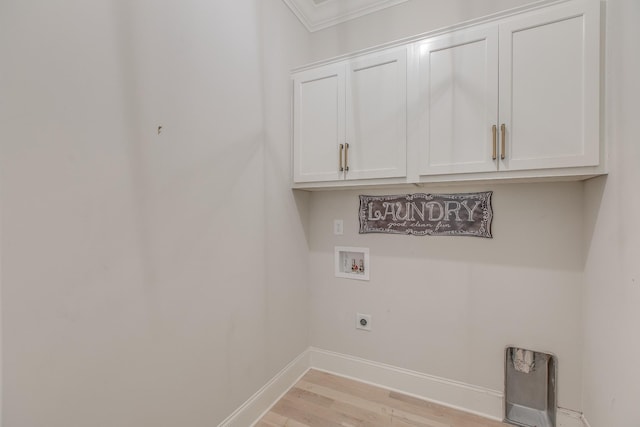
[462, 214]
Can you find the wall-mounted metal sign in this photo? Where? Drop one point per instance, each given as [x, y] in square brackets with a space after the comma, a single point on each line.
[463, 214]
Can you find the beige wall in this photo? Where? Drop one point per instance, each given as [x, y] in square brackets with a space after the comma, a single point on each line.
[448, 306]
[612, 238]
[147, 279]
[126, 302]
[284, 44]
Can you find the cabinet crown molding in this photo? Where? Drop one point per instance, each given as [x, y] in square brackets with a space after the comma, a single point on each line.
[319, 14]
[487, 19]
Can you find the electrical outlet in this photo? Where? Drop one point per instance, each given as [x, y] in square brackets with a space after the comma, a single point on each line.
[338, 227]
[363, 321]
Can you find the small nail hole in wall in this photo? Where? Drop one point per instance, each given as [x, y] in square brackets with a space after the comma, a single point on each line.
[159, 130]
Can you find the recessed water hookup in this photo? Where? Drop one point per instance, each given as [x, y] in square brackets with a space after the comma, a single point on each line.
[352, 263]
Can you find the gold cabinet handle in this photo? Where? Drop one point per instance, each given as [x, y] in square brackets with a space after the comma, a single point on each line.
[503, 137]
[346, 157]
[340, 158]
[494, 130]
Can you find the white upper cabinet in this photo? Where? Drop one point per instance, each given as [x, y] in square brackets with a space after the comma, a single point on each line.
[377, 116]
[318, 124]
[549, 88]
[458, 101]
[349, 119]
[520, 94]
[512, 97]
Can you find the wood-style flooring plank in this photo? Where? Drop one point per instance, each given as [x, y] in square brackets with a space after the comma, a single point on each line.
[320, 399]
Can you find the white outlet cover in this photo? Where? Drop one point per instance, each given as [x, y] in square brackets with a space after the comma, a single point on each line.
[363, 318]
[338, 227]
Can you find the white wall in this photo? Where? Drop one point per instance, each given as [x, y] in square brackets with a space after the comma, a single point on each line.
[612, 272]
[449, 306]
[147, 279]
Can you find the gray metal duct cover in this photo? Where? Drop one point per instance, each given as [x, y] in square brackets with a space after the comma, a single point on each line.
[530, 388]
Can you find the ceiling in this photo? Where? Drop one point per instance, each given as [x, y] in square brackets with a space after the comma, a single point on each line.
[319, 14]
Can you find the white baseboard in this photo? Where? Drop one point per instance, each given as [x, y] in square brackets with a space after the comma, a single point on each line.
[454, 394]
[253, 409]
[569, 418]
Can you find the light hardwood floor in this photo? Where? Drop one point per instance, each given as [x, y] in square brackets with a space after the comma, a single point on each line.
[324, 400]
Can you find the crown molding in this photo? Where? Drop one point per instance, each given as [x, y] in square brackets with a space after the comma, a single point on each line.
[316, 16]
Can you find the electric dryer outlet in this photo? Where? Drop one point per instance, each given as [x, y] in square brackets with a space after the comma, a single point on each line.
[363, 321]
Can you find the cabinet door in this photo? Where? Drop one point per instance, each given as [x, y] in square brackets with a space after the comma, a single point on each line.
[458, 102]
[377, 116]
[318, 123]
[549, 87]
